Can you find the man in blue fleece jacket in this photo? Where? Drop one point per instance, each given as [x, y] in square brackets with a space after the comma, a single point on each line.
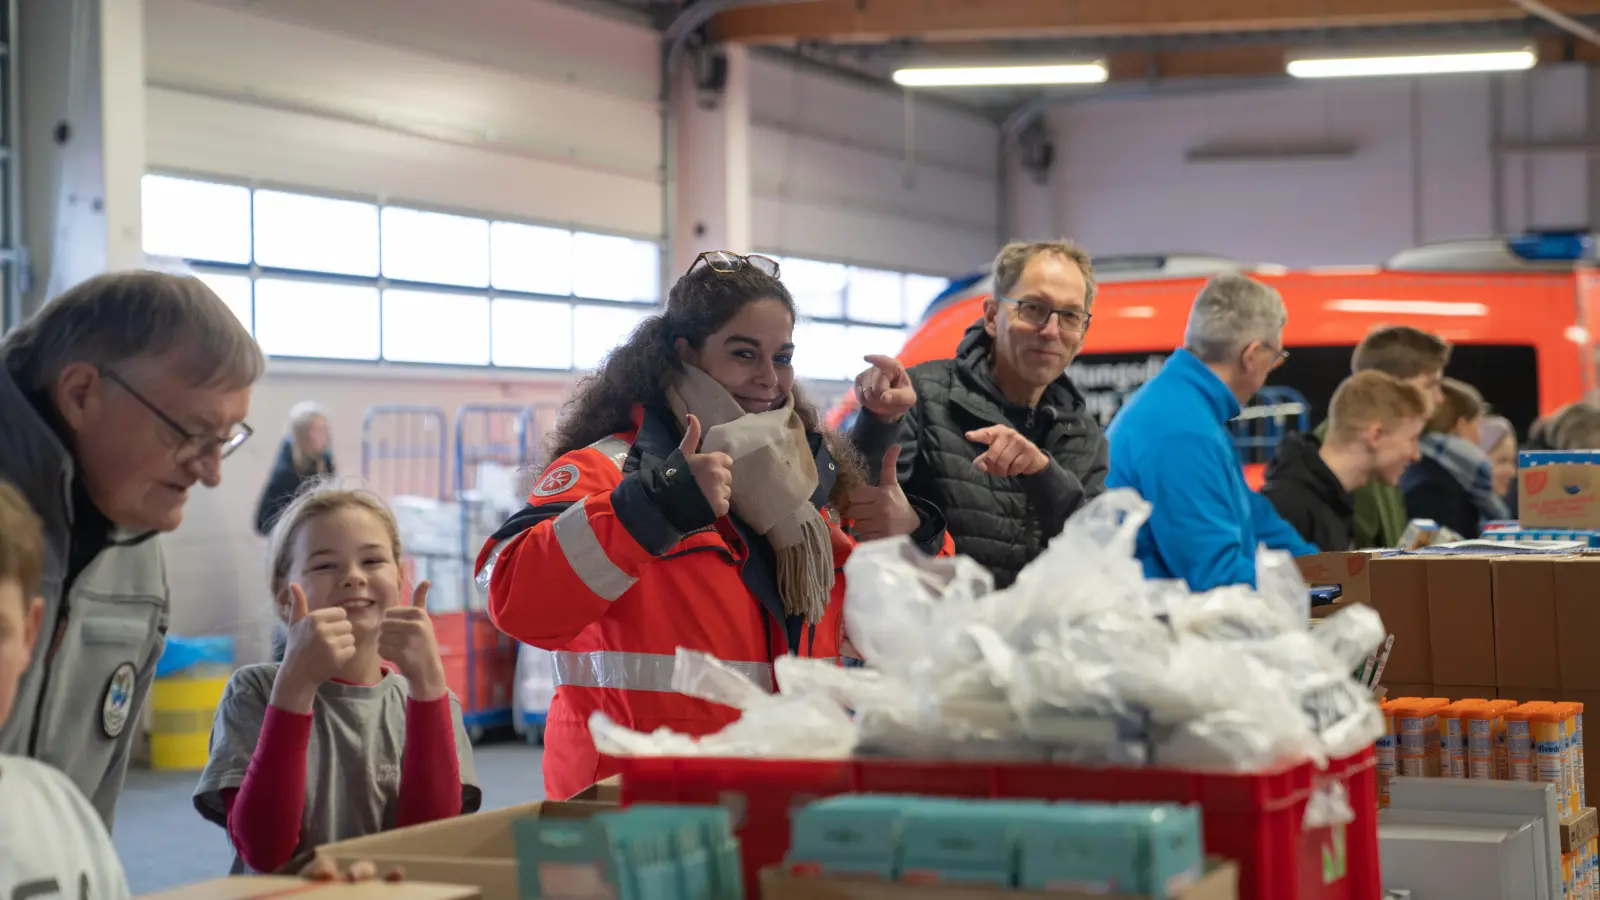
[1171, 443]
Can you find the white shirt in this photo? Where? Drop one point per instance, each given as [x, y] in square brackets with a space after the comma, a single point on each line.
[53, 845]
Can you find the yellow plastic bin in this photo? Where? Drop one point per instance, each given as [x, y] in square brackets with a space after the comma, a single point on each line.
[190, 679]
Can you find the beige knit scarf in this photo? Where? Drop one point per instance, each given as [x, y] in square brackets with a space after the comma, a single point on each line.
[774, 476]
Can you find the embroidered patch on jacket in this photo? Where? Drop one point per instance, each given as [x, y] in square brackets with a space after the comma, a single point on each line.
[556, 481]
[117, 701]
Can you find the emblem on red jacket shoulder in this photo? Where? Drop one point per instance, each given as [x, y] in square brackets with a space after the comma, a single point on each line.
[557, 481]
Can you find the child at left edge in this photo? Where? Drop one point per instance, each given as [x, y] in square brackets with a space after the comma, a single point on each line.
[355, 732]
[52, 842]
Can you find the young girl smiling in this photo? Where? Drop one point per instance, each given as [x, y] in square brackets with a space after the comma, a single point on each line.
[354, 732]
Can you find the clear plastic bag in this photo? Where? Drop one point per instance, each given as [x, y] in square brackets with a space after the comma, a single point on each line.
[1278, 579]
[1082, 660]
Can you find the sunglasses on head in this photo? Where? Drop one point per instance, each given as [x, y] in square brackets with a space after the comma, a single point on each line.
[726, 261]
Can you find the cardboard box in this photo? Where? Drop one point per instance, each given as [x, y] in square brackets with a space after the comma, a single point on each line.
[1527, 653]
[1347, 570]
[262, 887]
[1396, 690]
[1221, 882]
[1461, 620]
[1399, 592]
[476, 850]
[1561, 493]
[1578, 829]
[1577, 589]
[608, 791]
[1529, 694]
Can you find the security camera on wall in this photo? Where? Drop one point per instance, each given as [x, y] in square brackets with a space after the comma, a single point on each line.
[710, 76]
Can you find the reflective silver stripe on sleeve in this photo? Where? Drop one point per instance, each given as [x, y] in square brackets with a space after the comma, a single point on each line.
[487, 572]
[615, 449]
[637, 671]
[582, 548]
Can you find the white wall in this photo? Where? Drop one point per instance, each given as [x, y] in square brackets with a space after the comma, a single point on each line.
[831, 178]
[1421, 172]
[529, 110]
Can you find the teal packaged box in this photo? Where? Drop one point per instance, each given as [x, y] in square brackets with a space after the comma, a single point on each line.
[1088, 848]
[1138, 849]
[1171, 848]
[963, 841]
[855, 835]
[574, 857]
[706, 852]
[642, 853]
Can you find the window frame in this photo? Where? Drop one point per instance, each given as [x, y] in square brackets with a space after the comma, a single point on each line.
[254, 272]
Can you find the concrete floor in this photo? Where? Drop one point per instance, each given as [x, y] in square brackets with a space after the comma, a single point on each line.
[164, 843]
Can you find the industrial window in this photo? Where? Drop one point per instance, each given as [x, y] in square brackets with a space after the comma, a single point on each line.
[597, 329]
[817, 287]
[319, 319]
[875, 295]
[532, 334]
[424, 327]
[435, 248]
[615, 268]
[822, 350]
[315, 234]
[849, 311]
[236, 291]
[530, 259]
[196, 220]
[340, 278]
[920, 292]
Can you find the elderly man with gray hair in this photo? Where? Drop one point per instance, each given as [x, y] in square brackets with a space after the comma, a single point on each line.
[117, 398]
[1171, 442]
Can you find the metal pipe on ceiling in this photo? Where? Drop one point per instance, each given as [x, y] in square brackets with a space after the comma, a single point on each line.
[1569, 24]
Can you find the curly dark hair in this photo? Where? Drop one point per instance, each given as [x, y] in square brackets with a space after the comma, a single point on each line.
[637, 371]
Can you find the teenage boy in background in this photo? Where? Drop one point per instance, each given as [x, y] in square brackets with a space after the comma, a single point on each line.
[1371, 436]
[1417, 358]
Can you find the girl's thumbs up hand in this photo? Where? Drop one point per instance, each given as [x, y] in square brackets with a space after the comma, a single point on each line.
[320, 643]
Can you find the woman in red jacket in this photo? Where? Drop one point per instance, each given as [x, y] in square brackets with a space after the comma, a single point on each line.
[694, 501]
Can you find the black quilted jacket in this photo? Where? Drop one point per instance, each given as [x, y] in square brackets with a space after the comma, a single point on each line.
[1003, 523]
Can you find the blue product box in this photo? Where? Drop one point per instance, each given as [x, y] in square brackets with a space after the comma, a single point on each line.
[707, 853]
[855, 835]
[1087, 848]
[1171, 847]
[963, 841]
[567, 857]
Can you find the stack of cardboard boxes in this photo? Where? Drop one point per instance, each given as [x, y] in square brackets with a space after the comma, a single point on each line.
[1516, 627]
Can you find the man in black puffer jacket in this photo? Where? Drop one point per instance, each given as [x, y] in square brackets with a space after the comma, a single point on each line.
[997, 438]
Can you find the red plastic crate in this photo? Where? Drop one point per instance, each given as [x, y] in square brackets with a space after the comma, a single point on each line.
[496, 672]
[451, 630]
[1256, 819]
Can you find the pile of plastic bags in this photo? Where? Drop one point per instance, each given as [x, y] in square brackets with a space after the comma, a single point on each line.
[1081, 661]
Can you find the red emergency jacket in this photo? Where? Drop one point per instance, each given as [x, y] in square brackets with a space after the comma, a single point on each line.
[595, 570]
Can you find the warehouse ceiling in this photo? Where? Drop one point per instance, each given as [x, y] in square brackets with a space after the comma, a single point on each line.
[1145, 43]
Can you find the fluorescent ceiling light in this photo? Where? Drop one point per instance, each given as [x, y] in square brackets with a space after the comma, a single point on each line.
[995, 76]
[1510, 60]
[1408, 307]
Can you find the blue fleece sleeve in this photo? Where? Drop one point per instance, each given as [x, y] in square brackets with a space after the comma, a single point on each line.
[1194, 522]
[1274, 531]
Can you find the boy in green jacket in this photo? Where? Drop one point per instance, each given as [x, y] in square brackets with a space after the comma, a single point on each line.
[1416, 357]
